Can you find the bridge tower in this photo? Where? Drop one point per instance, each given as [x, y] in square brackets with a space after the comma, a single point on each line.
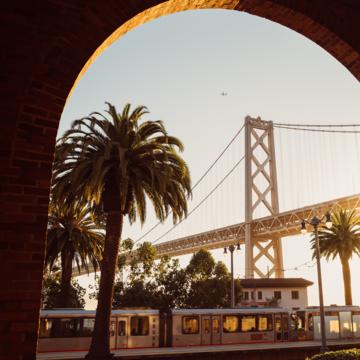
[261, 191]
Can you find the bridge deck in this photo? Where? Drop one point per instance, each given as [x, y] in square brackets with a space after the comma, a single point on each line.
[280, 225]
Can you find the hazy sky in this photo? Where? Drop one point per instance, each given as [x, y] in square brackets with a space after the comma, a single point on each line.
[179, 65]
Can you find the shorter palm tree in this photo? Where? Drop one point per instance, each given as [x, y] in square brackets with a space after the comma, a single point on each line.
[72, 236]
[342, 239]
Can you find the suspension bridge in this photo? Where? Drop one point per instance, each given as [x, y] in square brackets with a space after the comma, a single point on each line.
[262, 235]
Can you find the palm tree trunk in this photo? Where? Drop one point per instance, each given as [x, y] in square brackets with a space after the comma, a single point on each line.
[347, 281]
[100, 344]
[65, 282]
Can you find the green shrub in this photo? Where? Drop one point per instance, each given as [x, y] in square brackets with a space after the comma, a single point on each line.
[351, 354]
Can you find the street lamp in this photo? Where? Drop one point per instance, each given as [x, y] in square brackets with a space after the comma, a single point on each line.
[314, 222]
[232, 249]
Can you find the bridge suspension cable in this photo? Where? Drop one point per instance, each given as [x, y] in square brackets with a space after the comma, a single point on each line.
[308, 264]
[198, 182]
[203, 200]
[298, 128]
[317, 125]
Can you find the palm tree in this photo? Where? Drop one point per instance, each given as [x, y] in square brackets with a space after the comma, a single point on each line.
[342, 239]
[73, 237]
[119, 163]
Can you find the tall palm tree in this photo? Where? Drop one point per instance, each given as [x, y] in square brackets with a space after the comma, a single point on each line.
[119, 163]
[72, 236]
[342, 239]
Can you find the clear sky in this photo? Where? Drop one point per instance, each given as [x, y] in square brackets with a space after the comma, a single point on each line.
[179, 65]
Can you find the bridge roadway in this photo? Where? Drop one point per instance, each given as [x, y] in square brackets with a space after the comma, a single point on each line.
[278, 350]
[283, 224]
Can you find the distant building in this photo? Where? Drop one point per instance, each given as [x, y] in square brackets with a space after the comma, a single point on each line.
[288, 293]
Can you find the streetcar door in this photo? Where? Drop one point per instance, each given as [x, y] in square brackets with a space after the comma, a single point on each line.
[281, 327]
[215, 330]
[285, 326]
[205, 330]
[278, 328]
[122, 333]
[346, 330]
[112, 332]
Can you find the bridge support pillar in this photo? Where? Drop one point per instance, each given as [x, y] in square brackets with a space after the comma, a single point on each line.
[261, 195]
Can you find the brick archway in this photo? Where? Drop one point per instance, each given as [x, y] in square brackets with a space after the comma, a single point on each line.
[47, 44]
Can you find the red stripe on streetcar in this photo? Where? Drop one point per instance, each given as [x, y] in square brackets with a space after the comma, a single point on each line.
[179, 346]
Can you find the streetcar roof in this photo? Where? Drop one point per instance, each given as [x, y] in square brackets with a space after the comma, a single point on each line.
[332, 308]
[243, 310]
[136, 312]
[91, 313]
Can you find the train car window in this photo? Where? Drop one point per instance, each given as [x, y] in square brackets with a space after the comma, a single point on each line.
[190, 324]
[285, 322]
[122, 328]
[45, 328]
[293, 322]
[300, 319]
[88, 327]
[139, 325]
[265, 323]
[345, 318]
[206, 326]
[248, 323]
[65, 328]
[69, 327]
[356, 323]
[278, 323]
[55, 328]
[216, 326]
[112, 328]
[310, 322]
[231, 323]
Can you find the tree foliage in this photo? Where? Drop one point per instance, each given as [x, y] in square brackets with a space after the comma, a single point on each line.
[74, 236]
[342, 240]
[73, 229]
[119, 161]
[142, 261]
[201, 265]
[350, 354]
[210, 283]
[163, 284]
[51, 296]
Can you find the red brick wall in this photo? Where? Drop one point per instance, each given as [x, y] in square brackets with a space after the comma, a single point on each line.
[44, 45]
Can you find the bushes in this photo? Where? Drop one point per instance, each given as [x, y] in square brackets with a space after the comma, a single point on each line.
[351, 354]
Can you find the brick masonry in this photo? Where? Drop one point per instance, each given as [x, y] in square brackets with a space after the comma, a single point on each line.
[45, 46]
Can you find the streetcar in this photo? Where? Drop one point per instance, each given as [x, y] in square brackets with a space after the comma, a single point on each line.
[227, 326]
[71, 330]
[341, 322]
